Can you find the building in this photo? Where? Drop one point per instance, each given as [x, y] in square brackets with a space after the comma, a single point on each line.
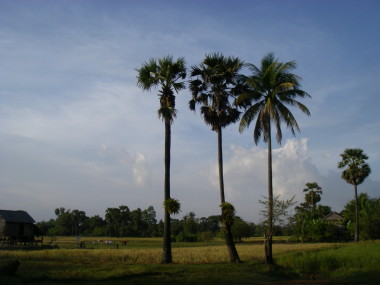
[335, 219]
[17, 226]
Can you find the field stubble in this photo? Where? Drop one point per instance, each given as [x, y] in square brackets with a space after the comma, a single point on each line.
[202, 261]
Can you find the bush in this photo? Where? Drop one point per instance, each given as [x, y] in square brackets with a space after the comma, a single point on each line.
[205, 236]
[186, 237]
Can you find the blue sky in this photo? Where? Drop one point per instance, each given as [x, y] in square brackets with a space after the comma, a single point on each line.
[77, 132]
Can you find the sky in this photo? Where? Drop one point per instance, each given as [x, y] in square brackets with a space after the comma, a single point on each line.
[77, 132]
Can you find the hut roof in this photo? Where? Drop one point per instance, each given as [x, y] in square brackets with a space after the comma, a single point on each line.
[16, 217]
[333, 216]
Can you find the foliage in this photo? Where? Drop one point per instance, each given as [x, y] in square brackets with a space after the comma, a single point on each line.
[214, 83]
[280, 209]
[166, 73]
[228, 213]
[272, 86]
[309, 223]
[369, 211]
[356, 169]
[241, 229]
[173, 206]
[182, 237]
[313, 193]
[118, 222]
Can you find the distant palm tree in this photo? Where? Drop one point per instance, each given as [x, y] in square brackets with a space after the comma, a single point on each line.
[272, 87]
[356, 172]
[313, 194]
[167, 74]
[215, 83]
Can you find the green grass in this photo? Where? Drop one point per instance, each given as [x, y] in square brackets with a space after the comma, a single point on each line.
[196, 263]
[345, 261]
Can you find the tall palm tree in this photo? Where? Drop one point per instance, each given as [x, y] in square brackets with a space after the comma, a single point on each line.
[214, 84]
[313, 194]
[272, 87]
[168, 75]
[357, 170]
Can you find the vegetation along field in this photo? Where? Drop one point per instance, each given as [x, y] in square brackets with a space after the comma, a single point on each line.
[138, 262]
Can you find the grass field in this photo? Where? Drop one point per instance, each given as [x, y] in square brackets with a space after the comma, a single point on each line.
[194, 263]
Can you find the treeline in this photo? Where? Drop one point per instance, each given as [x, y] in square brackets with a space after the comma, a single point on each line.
[307, 224]
[123, 222]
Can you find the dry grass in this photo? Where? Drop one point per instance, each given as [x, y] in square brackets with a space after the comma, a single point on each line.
[195, 254]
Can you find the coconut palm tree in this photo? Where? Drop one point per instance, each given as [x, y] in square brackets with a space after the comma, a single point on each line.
[357, 170]
[272, 87]
[168, 75]
[214, 84]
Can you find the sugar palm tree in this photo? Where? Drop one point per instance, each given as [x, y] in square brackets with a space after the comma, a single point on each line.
[313, 194]
[357, 170]
[168, 75]
[214, 84]
[272, 87]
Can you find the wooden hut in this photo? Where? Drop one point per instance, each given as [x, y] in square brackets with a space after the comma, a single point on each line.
[17, 226]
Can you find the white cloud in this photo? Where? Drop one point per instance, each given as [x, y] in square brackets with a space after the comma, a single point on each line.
[246, 178]
[140, 170]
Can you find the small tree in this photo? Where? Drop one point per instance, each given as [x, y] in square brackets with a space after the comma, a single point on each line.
[280, 211]
[355, 172]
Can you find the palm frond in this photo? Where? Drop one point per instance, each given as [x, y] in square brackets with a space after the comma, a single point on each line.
[249, 116]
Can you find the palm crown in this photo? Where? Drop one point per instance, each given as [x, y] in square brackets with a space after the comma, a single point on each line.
[272, 87]
[166, 73]
[357, 169]
[216, 80]
[313, 193]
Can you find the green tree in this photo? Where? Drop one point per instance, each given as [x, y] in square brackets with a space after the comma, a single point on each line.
[63, 222]
[272, 87]
[113, 219]
[313, 193]
[168, 75]
[369, 216]
[355, 172]
[214, 85]
[241, 229]
[149, 219]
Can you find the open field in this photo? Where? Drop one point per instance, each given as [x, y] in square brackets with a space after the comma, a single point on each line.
[196, 263]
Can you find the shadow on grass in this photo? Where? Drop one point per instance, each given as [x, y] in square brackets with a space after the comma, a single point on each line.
[245, 273]
[222, 274]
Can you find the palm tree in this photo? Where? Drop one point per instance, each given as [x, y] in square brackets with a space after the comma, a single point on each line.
[272, 87]
[355, 173]
[313, 195]
[215, 82]
[169, 76]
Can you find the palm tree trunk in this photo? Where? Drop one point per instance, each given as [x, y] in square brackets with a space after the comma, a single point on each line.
[269, 233]
[167, 247]
[356, 214]
[233, 254]
[220, 164]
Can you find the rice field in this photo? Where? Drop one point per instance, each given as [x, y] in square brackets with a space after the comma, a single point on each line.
[202, 261]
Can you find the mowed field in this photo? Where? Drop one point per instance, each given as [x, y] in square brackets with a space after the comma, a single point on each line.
[137, 261]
